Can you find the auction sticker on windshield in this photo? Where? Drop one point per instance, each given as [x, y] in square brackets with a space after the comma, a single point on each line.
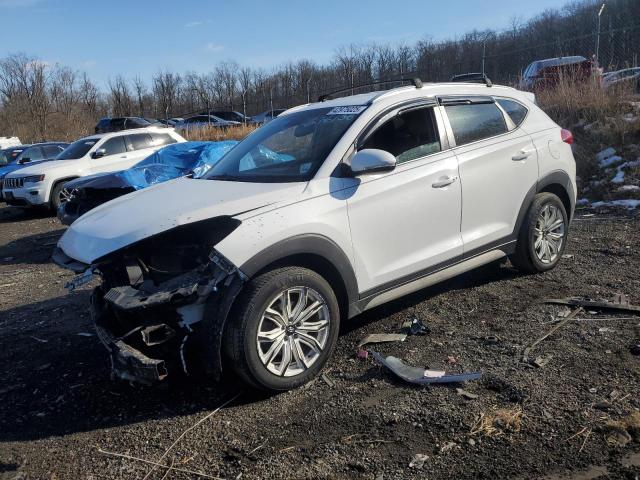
[347, 110]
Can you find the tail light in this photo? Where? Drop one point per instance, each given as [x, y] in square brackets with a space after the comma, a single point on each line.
[567, 136]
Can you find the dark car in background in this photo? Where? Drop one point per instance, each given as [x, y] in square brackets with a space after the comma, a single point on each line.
[173, 161]
[229, 115]
[547, 73]
[266, 117]
[116, 124]
[23, 155]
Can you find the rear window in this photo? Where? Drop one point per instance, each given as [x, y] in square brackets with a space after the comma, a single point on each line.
[476, 121]
[160, 139]
[515, 110]
[139, 141]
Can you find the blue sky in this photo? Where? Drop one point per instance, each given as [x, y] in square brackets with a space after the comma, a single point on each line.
[140, 37]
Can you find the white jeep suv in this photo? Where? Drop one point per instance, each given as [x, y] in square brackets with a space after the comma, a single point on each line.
[42, 185]
[329, 210]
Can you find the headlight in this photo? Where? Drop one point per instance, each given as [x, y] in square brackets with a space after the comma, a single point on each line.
[33, 178]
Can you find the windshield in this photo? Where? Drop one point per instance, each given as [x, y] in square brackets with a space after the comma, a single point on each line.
[77, 149]
[288, 149]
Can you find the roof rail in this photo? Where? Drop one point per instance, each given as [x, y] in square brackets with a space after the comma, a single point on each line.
[416, 82]
[472, 78]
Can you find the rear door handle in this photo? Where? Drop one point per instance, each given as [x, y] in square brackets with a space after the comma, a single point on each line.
[443, 182]
[521, 155]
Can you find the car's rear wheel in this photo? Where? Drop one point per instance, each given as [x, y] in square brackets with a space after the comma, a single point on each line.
[543, 235]
[283, 329]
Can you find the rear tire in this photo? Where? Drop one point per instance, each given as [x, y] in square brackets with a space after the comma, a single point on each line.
[543, 235]
[283, 329]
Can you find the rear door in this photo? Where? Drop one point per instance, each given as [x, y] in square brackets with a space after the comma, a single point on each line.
[498, 169]
[406, 222]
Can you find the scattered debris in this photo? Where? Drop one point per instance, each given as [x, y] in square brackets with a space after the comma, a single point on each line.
[421, 376]
[567, 255]
[327, 380]
[382, 338]
[497, 422]
[466, 395]
[620, 432]
[567, 319]
[415, 327]
[448, 446]
[635, 349]
[602, 405]
[542, 360]
[491, 339]
[418, 460]
[362, 354]
[619, 303]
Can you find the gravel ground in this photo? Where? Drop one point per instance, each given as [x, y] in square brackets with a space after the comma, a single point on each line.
[571, 418]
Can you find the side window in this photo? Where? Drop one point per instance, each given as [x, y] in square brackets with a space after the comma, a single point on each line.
[34, 153]
[114, 145]
[139, 141]
[515, 110]
[51, 151]
[407, 136]
[474, 122]
[160, 139]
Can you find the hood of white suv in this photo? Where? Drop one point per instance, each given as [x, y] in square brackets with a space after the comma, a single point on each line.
[128, 219]
[43, 167]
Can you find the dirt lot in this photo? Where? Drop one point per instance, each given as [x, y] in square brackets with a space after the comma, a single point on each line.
[59, 408]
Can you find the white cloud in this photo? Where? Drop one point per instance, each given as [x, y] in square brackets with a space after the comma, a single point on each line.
[193, 24]
[214, 47]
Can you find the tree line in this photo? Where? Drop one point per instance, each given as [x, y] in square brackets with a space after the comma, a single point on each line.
[41, 101]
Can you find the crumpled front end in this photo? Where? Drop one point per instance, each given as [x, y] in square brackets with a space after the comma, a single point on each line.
[163, 302]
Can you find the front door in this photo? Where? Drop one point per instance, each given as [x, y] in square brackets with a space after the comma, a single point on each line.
[405, 222]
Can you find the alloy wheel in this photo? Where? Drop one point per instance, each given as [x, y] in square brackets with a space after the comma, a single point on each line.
[65, 195]
[293, 331]
[549, 233]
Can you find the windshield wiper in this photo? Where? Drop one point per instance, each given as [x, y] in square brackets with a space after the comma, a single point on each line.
[225, 176]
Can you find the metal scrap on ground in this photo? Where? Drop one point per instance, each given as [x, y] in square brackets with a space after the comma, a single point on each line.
[619, 303]
[419, 375]
[382, 338]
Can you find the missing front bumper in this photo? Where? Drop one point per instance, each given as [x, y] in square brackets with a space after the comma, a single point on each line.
[153, 331]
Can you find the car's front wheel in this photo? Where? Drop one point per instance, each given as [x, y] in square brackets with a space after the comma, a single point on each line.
[283, 329]
[543, 235]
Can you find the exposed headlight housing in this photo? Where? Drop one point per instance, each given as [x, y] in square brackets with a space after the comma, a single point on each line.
[33, 178]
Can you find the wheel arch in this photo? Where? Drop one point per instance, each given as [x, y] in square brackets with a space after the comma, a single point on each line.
[559, 183]
[315, 252]
[59, 181]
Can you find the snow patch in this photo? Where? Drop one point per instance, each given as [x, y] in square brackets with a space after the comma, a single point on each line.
[629, 203]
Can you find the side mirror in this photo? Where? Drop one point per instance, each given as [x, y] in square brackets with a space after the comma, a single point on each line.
[372, 160]
[99, 153]
[24, 160]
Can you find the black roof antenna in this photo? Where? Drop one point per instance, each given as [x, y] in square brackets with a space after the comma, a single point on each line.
[416, 82]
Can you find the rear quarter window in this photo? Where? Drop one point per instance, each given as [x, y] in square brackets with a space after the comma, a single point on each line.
[476, 121]
[515, 110]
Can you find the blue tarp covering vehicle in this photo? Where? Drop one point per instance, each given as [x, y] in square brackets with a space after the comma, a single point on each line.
[173, 161]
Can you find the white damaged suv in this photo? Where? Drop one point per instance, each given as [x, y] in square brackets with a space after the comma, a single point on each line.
[329, 210]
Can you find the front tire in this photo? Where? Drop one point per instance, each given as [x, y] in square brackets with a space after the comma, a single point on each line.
[58, 196]
[283, 329]
[543, 235]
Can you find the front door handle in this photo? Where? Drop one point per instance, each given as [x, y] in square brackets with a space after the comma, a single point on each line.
[521, 155]
[443, 182]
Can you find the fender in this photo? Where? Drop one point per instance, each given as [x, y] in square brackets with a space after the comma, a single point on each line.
[309, 244]
[561, 178]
